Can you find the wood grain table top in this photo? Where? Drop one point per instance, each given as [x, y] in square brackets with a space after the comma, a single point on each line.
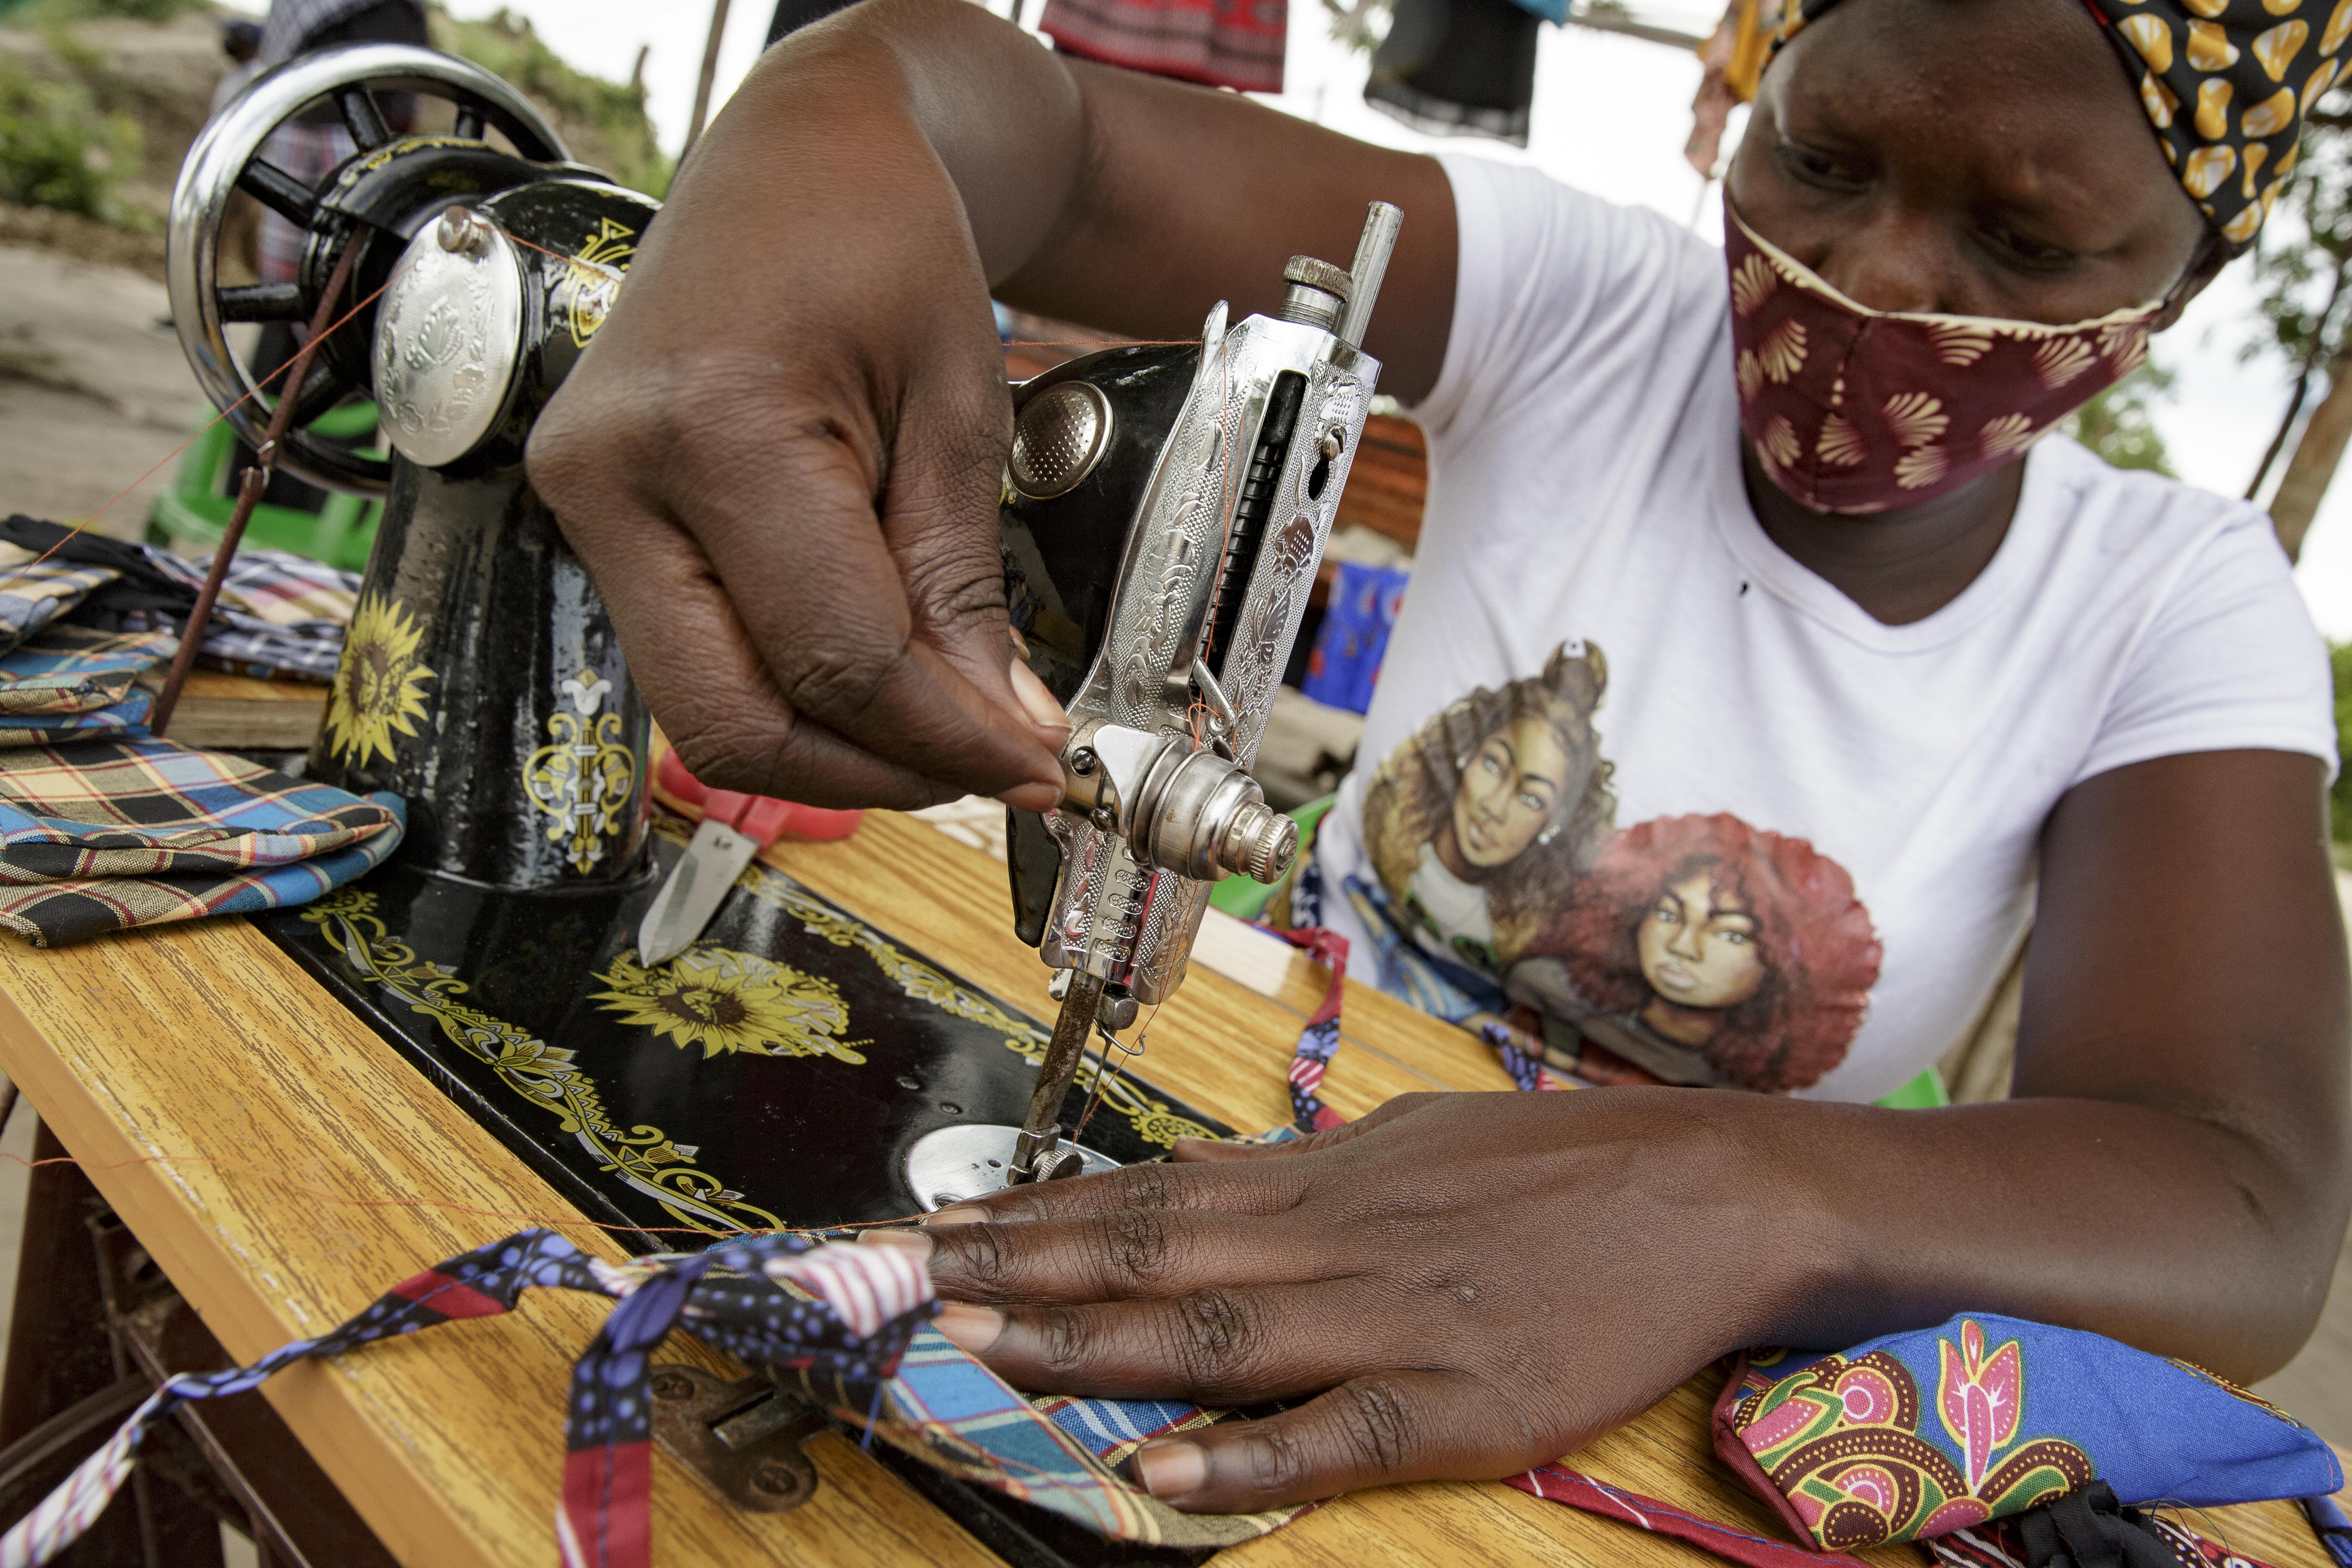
[285, 1165]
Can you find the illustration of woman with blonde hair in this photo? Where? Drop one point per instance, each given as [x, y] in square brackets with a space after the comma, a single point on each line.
[1478, 824]
[1702, 950]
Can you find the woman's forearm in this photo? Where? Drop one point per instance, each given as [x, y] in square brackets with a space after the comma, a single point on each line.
[2178, 1235]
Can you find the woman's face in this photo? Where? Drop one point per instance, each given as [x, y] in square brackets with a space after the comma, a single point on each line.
[1698, 945]
[1966, 157]
[1507, 792]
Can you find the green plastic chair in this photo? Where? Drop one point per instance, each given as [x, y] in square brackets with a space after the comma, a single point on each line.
[190, 517]
[1243, 899]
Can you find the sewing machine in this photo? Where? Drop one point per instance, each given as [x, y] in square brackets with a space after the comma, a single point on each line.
[1164, 511]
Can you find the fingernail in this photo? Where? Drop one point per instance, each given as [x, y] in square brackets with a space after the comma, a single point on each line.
[1033, 796]
[1046, 715]
[971, 1328]
[965, 1214]
[1172, 1470]
[913, 1241]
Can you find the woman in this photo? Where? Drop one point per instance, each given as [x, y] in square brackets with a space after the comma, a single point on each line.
[1846, 597]
[1703, 951]
[1477, 827]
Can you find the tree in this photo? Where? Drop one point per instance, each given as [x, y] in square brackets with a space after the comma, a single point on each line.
[2303, 266]
[2117, 423]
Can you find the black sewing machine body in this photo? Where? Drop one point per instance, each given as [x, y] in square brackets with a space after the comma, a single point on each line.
[483, 684]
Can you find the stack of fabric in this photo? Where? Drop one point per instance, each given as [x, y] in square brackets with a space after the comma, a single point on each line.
[279, 616]
[102, 826]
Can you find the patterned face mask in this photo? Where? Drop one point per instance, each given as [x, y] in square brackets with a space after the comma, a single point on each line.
[1855, 410]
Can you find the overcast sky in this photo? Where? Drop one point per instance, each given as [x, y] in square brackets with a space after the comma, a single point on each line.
[1610, 115]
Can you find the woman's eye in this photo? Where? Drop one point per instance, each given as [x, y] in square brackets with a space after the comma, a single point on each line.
[1493, 766]
[1816, 168]
[1738, 938]
[2025, 250]
[1532, 801]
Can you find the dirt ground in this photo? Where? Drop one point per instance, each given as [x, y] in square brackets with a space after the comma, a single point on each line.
[94, 391]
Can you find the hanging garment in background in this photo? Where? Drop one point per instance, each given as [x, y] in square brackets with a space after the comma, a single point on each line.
[1216, 43]
[1354, 637]
[1458, 68]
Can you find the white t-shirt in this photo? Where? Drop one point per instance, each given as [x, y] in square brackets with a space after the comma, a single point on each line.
[1724, 821]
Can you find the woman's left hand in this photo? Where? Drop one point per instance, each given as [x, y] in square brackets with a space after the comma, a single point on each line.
[1481, 1281]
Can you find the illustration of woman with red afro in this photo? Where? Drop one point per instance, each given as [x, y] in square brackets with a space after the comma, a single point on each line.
[1702, 950]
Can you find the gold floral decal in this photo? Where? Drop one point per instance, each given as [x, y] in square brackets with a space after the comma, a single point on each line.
[1154, 1122]
[378, 687]
[584, 776]
[727, 1000]
[644, 1157]
[585, 294]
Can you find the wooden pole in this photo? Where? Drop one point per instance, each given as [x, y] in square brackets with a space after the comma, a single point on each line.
[709, 75]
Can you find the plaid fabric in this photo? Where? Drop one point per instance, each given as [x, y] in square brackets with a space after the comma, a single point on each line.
[31, 596]
[108, 835]
[279, 616]
[1063, 1455]
[73, 669]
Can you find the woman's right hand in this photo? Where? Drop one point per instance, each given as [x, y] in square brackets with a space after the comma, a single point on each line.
[780, 463]
[780, 459]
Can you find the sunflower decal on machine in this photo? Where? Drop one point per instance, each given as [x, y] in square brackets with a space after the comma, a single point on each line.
[723, 1000]
[379, 688]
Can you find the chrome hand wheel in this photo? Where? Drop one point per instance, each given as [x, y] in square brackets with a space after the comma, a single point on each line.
[343, 209]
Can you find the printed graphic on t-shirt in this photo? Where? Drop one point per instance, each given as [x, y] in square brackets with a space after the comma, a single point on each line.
[1691, 950]
[1478, 824]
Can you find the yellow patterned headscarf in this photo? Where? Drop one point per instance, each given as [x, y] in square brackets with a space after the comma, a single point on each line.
[2226, 84]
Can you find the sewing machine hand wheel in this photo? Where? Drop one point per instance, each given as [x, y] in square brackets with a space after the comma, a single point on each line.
[346, 207]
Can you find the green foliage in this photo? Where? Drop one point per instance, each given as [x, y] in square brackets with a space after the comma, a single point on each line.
[509, 46]
[2340, 794]
[2117, 423]
[56, 150]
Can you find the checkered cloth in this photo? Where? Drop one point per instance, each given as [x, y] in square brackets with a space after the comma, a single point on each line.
[279, 616]
[105, 835]
[32, 596]
[74, 670]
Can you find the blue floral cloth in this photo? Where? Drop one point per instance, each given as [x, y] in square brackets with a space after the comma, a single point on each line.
[1919, 1434]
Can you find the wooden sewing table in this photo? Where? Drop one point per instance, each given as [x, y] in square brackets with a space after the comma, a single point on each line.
[231, 1112]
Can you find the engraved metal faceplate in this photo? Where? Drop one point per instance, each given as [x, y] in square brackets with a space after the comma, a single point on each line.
[447, 338]
[1114, 915]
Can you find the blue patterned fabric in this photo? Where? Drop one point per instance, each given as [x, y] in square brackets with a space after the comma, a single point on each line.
[1917, 1435]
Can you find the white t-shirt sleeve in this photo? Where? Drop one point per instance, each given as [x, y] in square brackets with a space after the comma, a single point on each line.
[1547, 277]
[2229, 661]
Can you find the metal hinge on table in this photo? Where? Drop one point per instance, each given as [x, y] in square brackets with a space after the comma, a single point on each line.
[743, 1438]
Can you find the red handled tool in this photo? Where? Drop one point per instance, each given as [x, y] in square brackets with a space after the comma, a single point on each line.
[734, 828]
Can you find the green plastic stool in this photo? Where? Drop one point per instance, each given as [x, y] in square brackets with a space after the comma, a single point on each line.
[195, 512]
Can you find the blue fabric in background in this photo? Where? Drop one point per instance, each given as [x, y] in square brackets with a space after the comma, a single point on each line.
[1355, 636]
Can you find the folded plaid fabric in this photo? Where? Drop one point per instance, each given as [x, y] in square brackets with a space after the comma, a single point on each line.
[75, 669]
[31, 596]
[278, 615]
[107, 835]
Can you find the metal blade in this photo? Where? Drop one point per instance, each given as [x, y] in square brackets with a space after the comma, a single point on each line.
[696, 887]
